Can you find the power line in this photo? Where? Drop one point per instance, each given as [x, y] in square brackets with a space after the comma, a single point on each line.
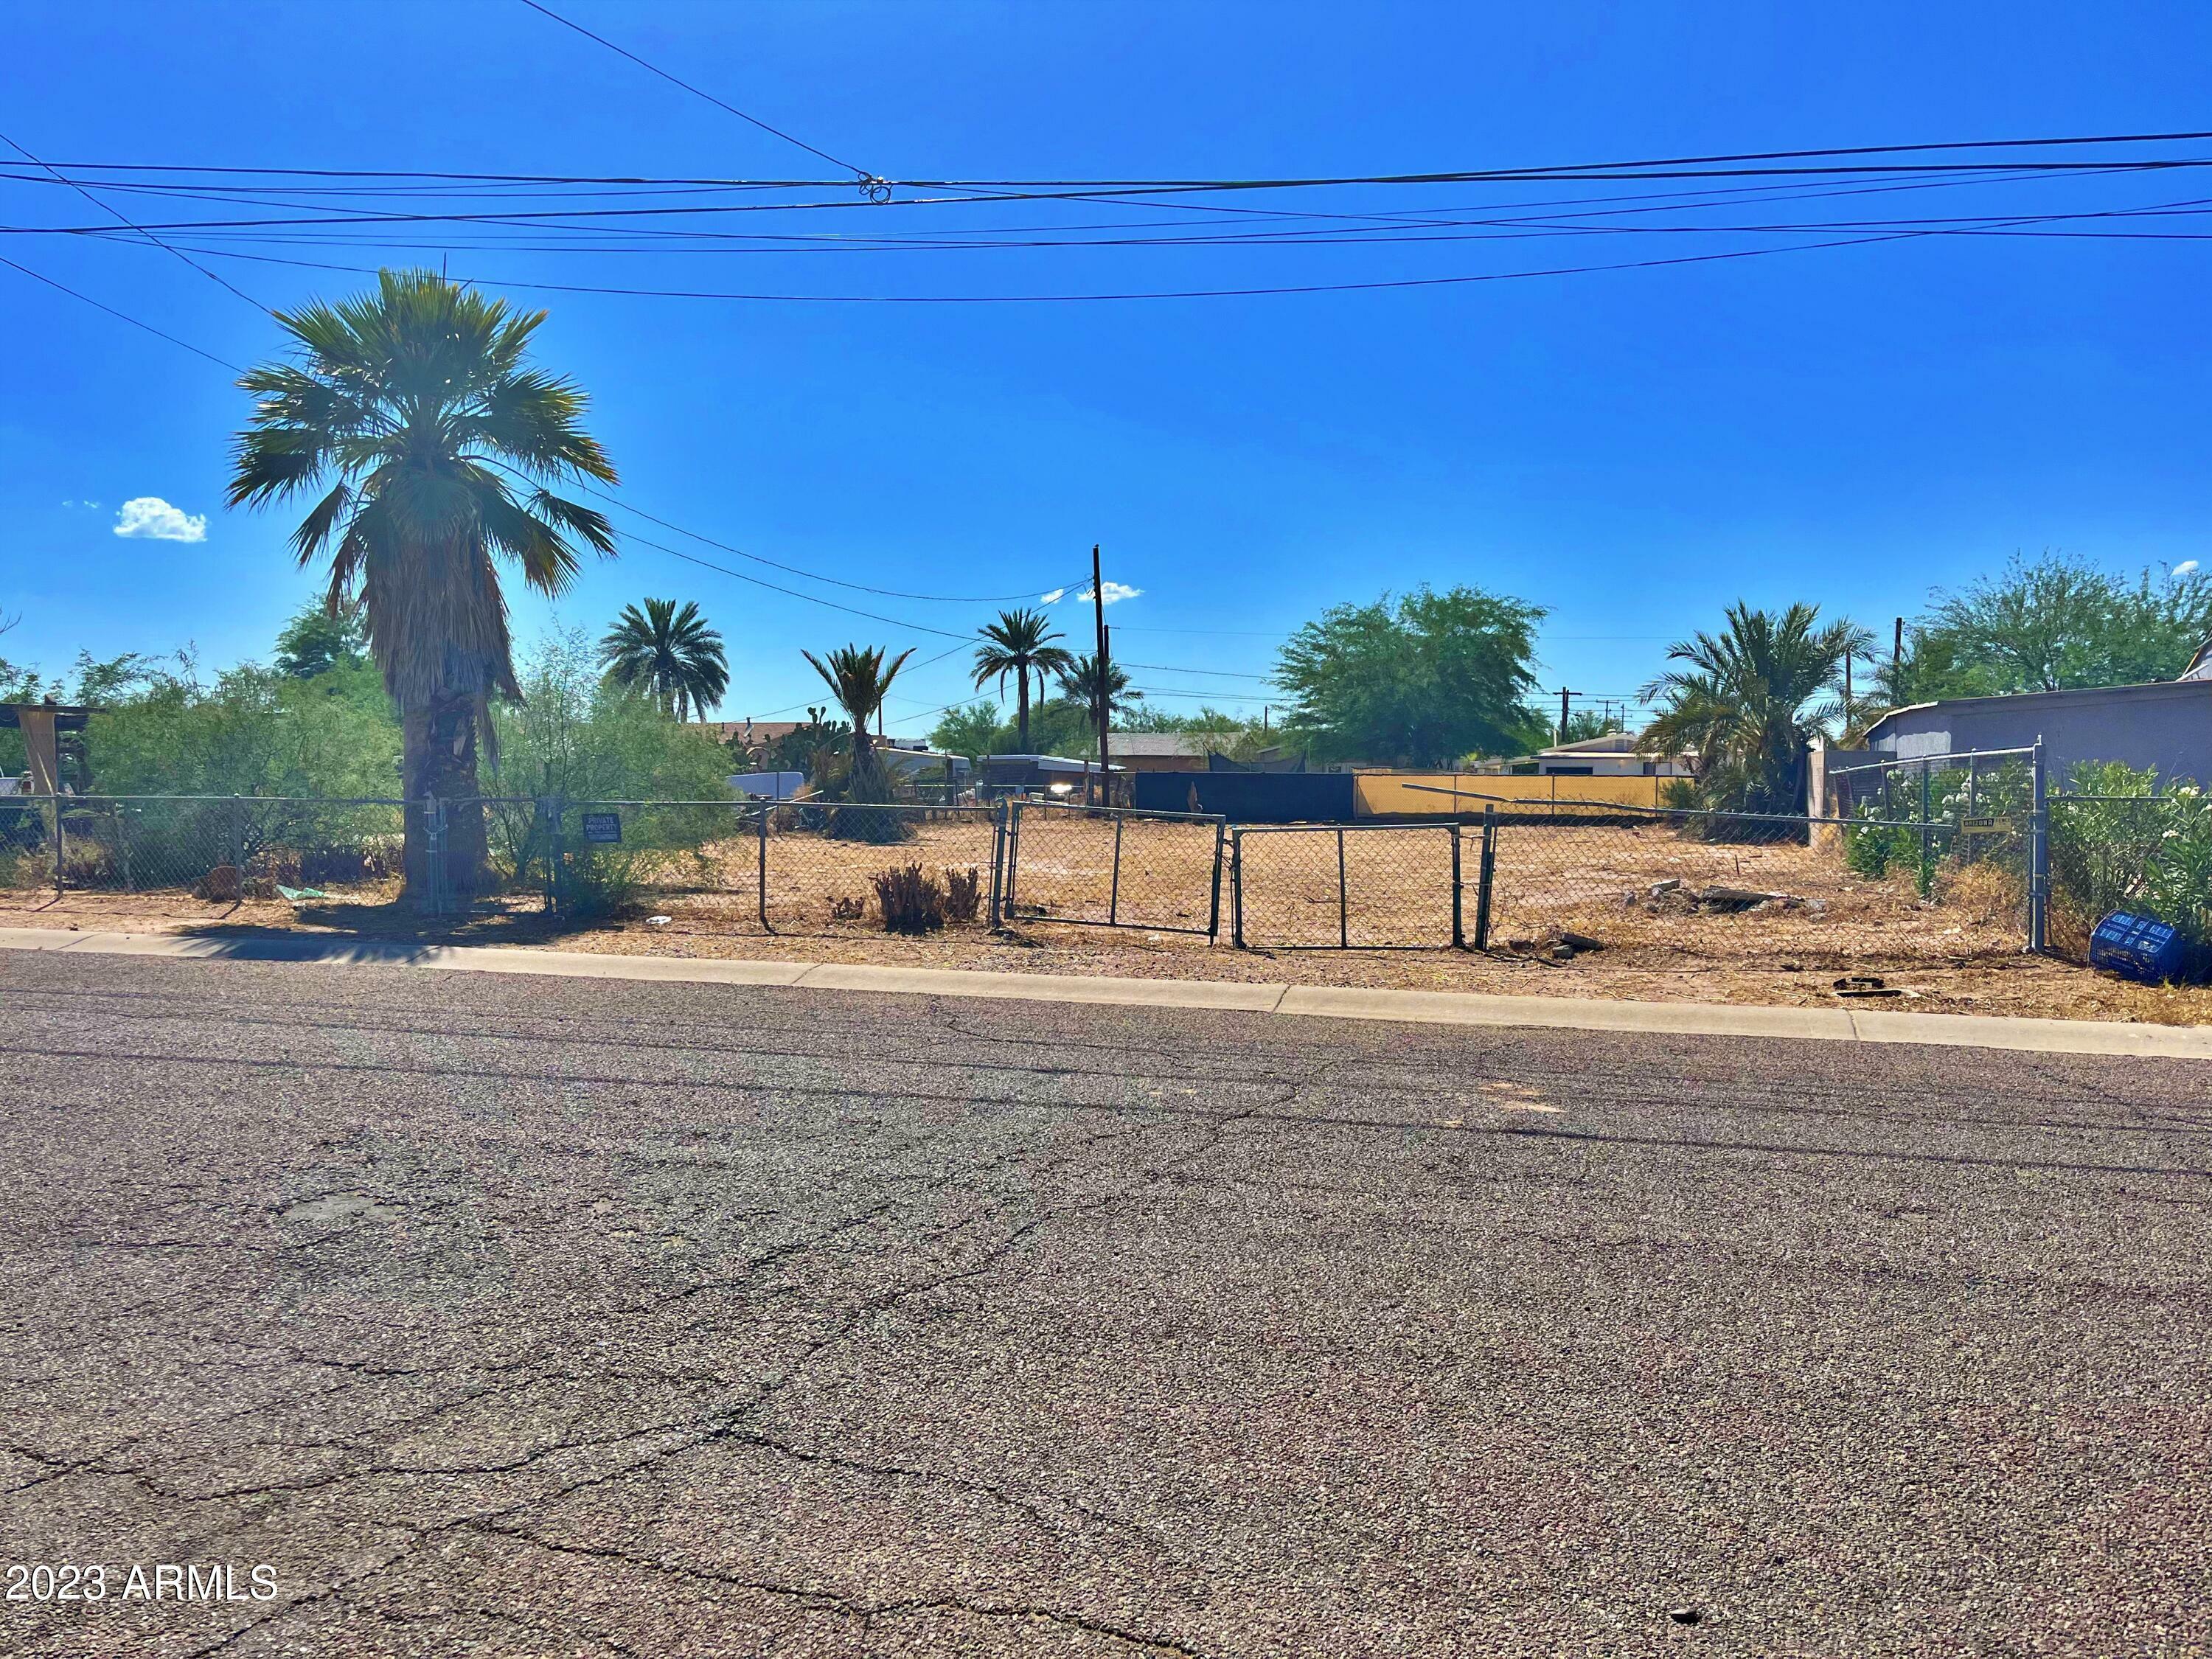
[860, 173]
[122, 316]
[220, 281]
[1552, 172]
[793, 569]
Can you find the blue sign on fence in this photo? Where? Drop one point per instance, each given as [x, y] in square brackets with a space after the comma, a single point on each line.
[602, 826]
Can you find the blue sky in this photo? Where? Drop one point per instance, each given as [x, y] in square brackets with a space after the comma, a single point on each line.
[1632, 449]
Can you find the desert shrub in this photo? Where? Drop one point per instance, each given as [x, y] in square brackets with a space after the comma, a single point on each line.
[963, 894]
[847, 910]
[910, 901]
[2101, 850]
[1873, 850]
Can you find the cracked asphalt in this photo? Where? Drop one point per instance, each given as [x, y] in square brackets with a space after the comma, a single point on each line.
[542, 1317]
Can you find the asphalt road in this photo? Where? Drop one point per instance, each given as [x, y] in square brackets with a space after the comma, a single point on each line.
[531, 1316]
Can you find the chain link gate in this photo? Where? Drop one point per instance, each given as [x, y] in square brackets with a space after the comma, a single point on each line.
[1348, 886]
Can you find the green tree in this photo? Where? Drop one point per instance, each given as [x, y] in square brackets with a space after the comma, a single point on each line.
[1082, 681]
[970, 729]
[670, 653]
[319, 639]
[1582, 724]
[859, 680]
[1418, 681]
[1747, 701]
[417, 404]
[2054, 623]
[1020, 643]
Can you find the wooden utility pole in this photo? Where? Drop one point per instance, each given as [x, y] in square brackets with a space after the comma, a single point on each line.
[1847, 684]
[1564, 694]
[1897, 662]
[1105, 698]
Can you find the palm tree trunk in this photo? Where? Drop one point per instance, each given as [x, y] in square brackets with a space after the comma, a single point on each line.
[1022, 709]
[438, 748]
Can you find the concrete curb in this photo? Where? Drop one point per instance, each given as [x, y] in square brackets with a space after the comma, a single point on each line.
[2050, 1037]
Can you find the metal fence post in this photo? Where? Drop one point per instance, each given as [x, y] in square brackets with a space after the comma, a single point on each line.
[1014, 857]
[1459, 913]
[1927, 830]
[1214, 904]
[767, 927]
[1343, 899]
[237, 858]
[1114, 891]
[1488, 868]
[61, 876]
[550, 810]
[997, 864]
[2038, 853]
[1236, 888]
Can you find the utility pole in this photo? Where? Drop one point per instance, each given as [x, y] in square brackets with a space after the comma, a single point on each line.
[1105, 698]
[1847, 683]
[1897, 662]
[1564, 694]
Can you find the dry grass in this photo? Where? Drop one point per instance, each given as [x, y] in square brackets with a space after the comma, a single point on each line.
[1960, 953]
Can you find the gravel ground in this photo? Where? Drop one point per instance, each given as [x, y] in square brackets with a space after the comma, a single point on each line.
[530, 1318]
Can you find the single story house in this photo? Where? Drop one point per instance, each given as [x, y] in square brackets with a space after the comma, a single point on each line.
[1189, 751]
[1613, 755]
[1160, 752]
[2165, 726]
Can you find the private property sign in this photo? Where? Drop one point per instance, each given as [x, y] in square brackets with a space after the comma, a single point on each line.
[602, 826]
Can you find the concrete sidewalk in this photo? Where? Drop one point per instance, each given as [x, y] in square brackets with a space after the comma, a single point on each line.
[2057, 1036]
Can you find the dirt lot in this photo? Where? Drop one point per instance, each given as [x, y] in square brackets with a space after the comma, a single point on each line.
[1958, 953]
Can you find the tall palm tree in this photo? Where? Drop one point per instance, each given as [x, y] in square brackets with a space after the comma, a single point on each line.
[1019, 643]
[859, 680]
[1748, 700]
[417, 404]
[669, 652]
[1080, 681]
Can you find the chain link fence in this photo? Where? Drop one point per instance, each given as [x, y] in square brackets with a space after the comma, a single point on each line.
[1934, 858]
[822, 868]
[1113, 867]
[219, 849]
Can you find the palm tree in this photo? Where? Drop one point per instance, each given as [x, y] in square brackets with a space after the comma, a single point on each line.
[417, 402]
[1079, 680]
[1018, 643]
[1749, 702]
[859, 680]
[670, 652]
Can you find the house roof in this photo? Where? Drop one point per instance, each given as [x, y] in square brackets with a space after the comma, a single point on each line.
[1611, 742]
[2149, 690]
[752, 731]
[1143, 745]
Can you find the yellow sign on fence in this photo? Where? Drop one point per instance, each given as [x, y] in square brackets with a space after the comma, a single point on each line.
[1445, 794]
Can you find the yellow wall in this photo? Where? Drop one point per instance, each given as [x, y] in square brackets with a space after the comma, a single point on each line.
[1388, 794]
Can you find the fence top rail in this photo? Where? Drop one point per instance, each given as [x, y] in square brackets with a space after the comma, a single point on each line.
[1535, 813]
[243, 800]
[2164, 798]
[593, 800]
[1925, 761]
[1325, 829]
[1026, 804]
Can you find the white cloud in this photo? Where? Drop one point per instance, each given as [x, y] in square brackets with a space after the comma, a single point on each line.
[151, 518]
[2186, 568]
[86, 502]
[1116, 592]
